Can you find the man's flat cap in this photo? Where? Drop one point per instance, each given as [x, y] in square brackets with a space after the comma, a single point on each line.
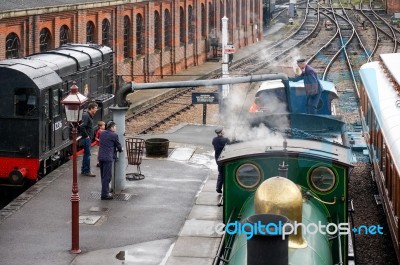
[110, 124]
[302, 60]
[219, 130]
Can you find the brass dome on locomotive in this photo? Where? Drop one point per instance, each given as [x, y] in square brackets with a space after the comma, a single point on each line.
[281, 196]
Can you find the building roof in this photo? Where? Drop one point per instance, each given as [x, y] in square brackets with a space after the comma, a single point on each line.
[16, 8]
[11, 5]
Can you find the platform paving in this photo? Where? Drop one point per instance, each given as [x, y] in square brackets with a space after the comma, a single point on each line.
[140, 230]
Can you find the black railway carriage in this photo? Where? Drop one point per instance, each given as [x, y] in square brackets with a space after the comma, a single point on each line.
[380, 108]
[34, 133]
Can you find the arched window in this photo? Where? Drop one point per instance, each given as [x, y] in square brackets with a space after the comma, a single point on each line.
[64, 35]
[12, 46]
[90, 32]
[238, 14]
[251, 11]
[127, 34]
[192, 28]
[167, 29]
[211, 17]
[45, 40]
[106, 33]
[257, 10]
[157, 30]
[139, 34]
[203, 21]
[222, 9]
[243, 12]
[228, 10]
[230, 17]
[182, 25]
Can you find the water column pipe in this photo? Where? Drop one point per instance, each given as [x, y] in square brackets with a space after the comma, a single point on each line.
[121, 106]
[224, 89]
[119, 180]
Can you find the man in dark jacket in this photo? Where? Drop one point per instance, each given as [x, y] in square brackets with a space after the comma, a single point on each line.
[109, 145]
[219, 143]
[86, 130]
[312, 85]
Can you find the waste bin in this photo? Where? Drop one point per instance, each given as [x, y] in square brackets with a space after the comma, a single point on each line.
[134, 151]
[157, 147]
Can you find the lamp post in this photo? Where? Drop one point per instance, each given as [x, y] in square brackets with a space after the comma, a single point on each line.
[73, 103]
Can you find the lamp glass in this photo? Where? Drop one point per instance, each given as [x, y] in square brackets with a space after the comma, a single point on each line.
[73, 112]
[73, 103]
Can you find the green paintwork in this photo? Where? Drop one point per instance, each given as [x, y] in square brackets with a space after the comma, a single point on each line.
[240, 200]
[318, 251]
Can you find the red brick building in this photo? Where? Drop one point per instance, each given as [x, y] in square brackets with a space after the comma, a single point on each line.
[393, 6]
[150, 38]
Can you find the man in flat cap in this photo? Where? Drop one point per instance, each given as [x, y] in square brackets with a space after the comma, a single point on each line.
[109, 145]
[219, 143]
[312, 86]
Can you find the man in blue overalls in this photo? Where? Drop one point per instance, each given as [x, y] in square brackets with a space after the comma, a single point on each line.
[109, 145]
[312, 86]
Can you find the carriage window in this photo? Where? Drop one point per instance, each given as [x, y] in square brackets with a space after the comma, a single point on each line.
[56, 103]
[100, 79]
[379, 146]
[25, 102]
[322, 179]
[248, 176]
[386, 169]
[383, 158]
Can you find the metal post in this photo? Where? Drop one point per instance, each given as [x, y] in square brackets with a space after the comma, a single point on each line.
[291, 8]
[204, 114]
[119, 180]
[224, 90]
[75, 195]
[256, 28]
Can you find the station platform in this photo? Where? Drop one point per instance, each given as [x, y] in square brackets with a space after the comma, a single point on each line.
[139, 227]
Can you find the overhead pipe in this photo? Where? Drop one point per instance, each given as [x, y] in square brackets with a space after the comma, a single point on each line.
[130, 87]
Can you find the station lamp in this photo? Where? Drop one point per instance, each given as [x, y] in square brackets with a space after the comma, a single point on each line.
[73, 104]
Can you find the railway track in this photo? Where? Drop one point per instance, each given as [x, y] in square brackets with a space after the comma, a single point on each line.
[267, 56]
[154, 115]
[386, 40]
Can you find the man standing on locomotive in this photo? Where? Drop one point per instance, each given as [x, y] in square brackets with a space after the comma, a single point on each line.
[219, 143]
[312, 86]
[86, 130]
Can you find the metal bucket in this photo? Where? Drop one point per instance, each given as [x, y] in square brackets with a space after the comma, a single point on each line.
[157, 147]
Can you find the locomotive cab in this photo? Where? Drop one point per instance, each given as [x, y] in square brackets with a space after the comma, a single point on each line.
[275, 96]
[27, 129]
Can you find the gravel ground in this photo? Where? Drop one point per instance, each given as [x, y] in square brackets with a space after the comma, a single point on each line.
[194, 116]
[370, 249]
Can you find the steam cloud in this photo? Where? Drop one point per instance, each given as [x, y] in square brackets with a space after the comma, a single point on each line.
[237, 122]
